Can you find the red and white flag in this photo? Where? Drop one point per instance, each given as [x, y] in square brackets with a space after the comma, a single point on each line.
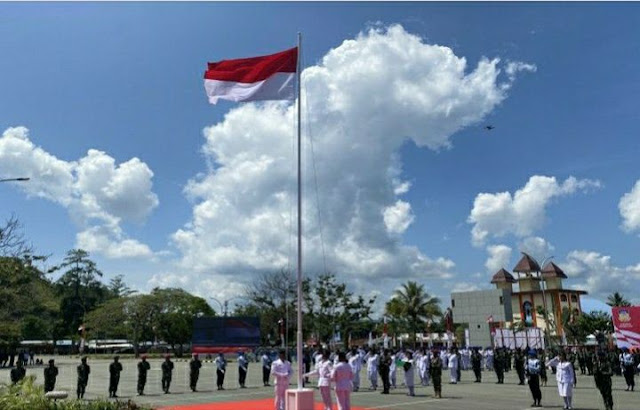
[261, 78]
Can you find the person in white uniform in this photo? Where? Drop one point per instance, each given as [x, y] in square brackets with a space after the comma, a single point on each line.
[424, 364]
[409, 374]
[393, 370]
[323, 371]
[342, 375]
[564, 376]
[488, 359]
[281, 371]
[453, 366]
[355, 361]
[372, 360]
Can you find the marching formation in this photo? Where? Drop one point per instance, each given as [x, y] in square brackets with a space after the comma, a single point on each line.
[340, 372]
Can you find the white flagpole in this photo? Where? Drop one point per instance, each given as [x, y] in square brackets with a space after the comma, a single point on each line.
[299, 304]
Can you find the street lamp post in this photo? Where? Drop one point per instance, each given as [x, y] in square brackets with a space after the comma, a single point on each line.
[224, 305]
[544, 297]
[22, 179]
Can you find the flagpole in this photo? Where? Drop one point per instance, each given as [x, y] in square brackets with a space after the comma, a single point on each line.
[299, 304]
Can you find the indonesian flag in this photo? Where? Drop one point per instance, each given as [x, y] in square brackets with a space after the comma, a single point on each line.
[253, 79]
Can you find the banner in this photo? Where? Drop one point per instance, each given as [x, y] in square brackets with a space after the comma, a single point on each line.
[626, 324]
[226, 332]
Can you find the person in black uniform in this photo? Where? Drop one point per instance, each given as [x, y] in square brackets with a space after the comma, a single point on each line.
[143, 368]
[518, 359]
[476, 364]
[384, 368]
[83, 377]
[167, 371]
[114, 376]
[18, 373]
[50, 374]
[194, 372]
[602, 373]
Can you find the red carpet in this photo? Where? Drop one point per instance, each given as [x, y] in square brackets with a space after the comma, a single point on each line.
[262, 404]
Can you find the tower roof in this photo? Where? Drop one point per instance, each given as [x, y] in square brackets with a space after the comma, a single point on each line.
[527, 265]
[503, 276]
[551, 270]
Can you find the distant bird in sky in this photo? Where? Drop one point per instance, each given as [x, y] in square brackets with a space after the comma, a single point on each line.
[489, 127]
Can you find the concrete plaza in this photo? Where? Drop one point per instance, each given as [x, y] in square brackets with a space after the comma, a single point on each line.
[466, 395]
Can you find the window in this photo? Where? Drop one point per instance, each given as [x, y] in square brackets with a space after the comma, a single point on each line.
[501, 300]
[563, 298]
[528, 313]
[453, 303]
[574, 299]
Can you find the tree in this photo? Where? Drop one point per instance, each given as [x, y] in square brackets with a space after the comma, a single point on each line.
[412, 305]
[79, 288]
[12, 240]
[273, 297]
[174, 311]
[29, 305]
[331, 308]
[118, 288]
[617, 300]
[128, 317]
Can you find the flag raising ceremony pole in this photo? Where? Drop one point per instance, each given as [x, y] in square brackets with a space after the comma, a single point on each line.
[299, 305]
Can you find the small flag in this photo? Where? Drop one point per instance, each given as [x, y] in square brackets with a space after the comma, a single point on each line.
[490, 319]
[261, 78]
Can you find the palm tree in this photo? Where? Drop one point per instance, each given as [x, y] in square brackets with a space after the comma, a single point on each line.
[616, 299]
[412, 305]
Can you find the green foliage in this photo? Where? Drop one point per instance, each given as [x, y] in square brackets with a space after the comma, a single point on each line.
[79, 288]
[616, 299]
[411, 307]
[29, 305]
[26, 395]
[578, 327]
[331, 308]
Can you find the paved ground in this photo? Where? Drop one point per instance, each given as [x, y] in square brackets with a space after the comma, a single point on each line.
[467, 395]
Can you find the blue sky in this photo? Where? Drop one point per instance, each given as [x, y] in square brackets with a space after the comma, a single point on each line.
[89, 87]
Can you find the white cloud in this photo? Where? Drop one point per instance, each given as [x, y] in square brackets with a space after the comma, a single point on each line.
[629, 207]
[520, 214]
[365, 98]
[514, 67]
[465, 287]
[398, 217]
[499, 257]
[595, 272]
[537, 247]
[98, 194]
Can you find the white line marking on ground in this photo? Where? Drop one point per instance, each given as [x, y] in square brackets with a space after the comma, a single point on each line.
[404, 404]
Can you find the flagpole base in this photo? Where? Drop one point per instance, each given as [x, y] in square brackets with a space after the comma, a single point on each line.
[299, 399]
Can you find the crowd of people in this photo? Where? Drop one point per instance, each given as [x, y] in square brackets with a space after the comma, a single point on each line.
[340, 371]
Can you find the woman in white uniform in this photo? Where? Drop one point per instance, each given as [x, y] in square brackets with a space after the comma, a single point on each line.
[409, 373]
[342, 375]
[323, 371]
[564, 377]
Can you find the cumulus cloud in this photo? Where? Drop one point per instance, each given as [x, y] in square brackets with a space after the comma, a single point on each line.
[398, 217]
[520, 214]
[514, 67]
[597, 274]
[98, 193]
[499, 257]
[365, 99]
[629, 207]
[537, 247]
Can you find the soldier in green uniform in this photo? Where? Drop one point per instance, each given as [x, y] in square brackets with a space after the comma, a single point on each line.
[50, 374]
[476, 364]
[518, 359]
[582, 360]
[589, 359]
[384, 368]
[499, 364]
[143, 368]
[435, 371]
[83, 377]
[602, 373]
[194, 372]
[167, 371]
[114, 376]
[543, 368]
[18, 373]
